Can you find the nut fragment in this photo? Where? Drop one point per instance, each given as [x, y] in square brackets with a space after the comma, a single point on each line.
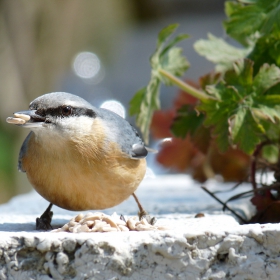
[123, 228]
[117, 219]
[83, 228]
[93, 217]
[72, 223]
[15, 120]
[79, 217]
[199, 215]
[110, 222]
[100, 222]
[141, 227]
[90, 224]
[99, 225]
[108, 229]
[65, 227]
[132, 223]
[22, 116]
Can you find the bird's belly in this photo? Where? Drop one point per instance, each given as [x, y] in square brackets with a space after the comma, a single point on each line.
[76, 184]
[75, 189]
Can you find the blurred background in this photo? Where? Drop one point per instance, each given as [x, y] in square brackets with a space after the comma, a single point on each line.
[96, 49]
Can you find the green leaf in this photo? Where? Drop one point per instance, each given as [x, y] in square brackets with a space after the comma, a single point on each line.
[220, 52]
[247, 23]
[244, 21]
[272, 20]
[267, 107]
[166, 57]
[174, 63]
[275, 90]
[241, 75]
[266, 50]
[149, 104]
[270, 153]
[135, 102]
[217, 115]
[173, 42]
[186, 121]
[268, 76]
[274, 52]
[243, 110]
[272, 131]
[165, 33]
[231, 8]
[245, 131]
[248, 1]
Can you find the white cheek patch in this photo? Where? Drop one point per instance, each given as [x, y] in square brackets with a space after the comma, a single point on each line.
[66, 128]
[74, 126]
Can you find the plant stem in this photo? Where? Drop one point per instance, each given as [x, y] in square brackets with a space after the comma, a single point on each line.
[254, 163]
[185, 87]
[224, 204]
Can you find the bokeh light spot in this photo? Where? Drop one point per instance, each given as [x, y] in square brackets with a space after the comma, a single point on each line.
[86, 65]
[114, 106]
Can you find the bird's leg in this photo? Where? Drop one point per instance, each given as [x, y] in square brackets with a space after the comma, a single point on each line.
[142, 213]
[44, 222]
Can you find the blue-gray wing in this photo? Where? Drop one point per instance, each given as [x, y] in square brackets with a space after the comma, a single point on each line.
[23, 151]
[123, 133]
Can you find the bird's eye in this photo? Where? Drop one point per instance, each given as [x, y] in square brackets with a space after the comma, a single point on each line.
[66, 110]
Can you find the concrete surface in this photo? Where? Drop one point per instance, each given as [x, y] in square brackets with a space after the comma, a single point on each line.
[211, 247]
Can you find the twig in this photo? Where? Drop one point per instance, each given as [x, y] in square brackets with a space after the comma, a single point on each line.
[225, 206]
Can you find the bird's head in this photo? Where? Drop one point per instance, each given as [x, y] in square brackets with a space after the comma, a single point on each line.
[59, 112]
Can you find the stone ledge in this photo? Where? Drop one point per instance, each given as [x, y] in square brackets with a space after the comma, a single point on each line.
[194, 249]
[212, 247]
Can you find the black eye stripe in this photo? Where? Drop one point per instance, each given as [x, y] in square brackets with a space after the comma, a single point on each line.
[84, 112]
[61, 112]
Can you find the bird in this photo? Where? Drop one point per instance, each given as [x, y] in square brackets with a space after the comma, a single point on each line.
[77, 156]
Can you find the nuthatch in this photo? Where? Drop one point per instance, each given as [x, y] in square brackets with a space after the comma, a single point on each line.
[79, 157]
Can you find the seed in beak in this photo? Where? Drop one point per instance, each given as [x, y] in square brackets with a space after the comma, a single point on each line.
[22, 116]
[15, 120]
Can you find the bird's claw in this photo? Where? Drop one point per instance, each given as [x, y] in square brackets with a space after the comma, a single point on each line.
[143, 214]
[44, 222]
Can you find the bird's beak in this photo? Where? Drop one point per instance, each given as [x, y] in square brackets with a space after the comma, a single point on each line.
[28, 119]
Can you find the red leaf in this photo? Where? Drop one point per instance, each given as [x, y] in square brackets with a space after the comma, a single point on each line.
[177, 154]
[184, 98]
[271, 214]
[262, 201]
[161, 123]
[233, 165]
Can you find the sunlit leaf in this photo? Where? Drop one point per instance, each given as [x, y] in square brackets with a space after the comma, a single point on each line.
[268, 76]
[174, 63]
[166, 57]
[220, 52]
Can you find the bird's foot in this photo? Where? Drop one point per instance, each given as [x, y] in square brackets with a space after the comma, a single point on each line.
[143, 214]
[44, 222]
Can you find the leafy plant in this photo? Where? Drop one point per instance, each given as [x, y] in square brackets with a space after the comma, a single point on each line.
[234, 111]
